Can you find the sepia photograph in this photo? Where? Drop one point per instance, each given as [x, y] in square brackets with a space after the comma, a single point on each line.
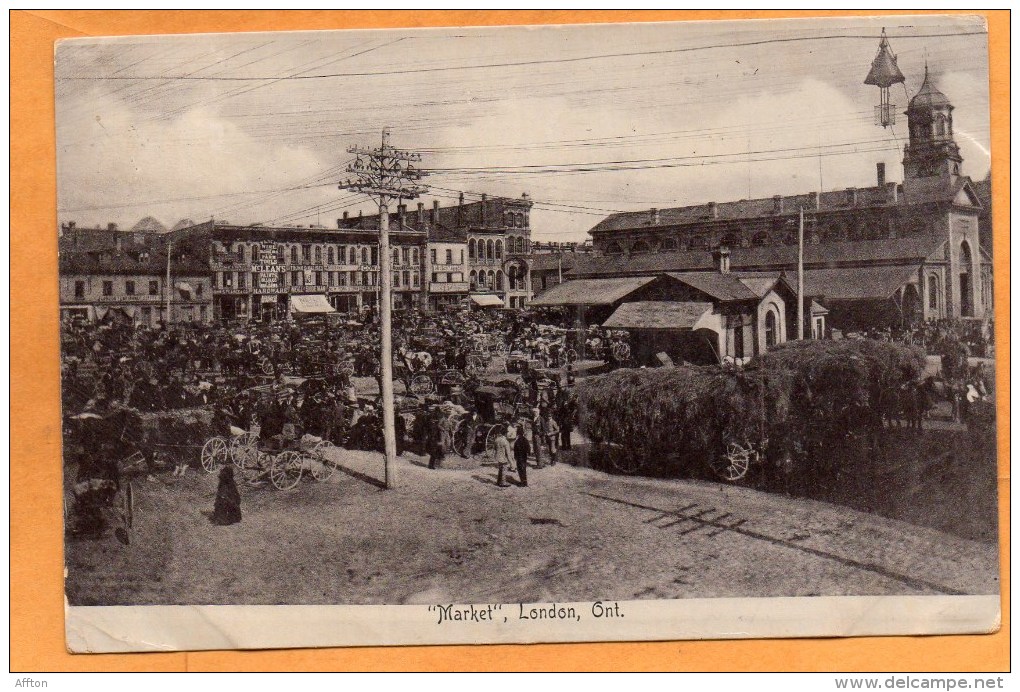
[602, 332]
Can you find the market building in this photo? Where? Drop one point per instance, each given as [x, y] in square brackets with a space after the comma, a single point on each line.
[890, 254]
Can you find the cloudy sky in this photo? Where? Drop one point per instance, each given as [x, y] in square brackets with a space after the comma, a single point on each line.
[587, 120]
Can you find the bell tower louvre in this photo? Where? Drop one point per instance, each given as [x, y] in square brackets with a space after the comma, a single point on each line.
[931, 151]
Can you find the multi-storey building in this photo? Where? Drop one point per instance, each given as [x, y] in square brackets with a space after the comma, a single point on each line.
[268, 273]
[122, 275]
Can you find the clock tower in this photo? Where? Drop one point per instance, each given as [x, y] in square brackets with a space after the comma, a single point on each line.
[932, 152]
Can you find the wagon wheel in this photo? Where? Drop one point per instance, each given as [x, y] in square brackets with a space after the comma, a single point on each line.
[285, 469]
[461, 444]
[475, 365]
[620, 351]
[345, 368]
[627, 460]
[490, 439]
[322, 463]
[735, 462]
[215, 453]
[267, 366]
[422, 385]
[242, 448]
[253, 467]
[570, 355]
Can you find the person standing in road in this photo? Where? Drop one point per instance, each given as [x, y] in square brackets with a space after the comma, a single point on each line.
[521, 451]
[552, 433]
[504, 457]
[537, 436]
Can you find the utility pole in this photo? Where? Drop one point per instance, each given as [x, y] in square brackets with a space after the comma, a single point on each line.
[167, 287]
[800, 278]
[385, 173]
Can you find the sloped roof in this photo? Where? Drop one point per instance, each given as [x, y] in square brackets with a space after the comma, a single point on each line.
[183, 223]
[928, 96]
[149, 224]
[544, 261]
[884, 70]
[591, 291]
[657, 315]
[774, 257]
[857, 283]
[722, 287]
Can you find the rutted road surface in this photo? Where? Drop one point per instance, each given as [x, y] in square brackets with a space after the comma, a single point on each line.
[452, 536]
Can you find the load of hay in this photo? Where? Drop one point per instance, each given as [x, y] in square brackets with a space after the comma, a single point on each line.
[799, 396]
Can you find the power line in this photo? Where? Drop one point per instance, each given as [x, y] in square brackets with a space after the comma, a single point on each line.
[526, 63]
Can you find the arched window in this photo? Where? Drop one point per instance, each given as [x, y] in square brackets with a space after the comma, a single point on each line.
[471, 249]
[489, 250]
[473, 279]
[760, 239]
[364, 255]
[492, 279]
[499, 281]
[499, 249]
[240, 254]
[933, 292]
[318, 254]
[613, 248]
[771, 329]
[940, 126]
[414, 256]
[293, 254]
[521, 220]
[640, 246]
[511, 277]
[509, 219]
[329, 255]
[668, 244]
[396, 256]
[966, 280]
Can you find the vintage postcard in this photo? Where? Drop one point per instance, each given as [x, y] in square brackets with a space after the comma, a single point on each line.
[605, 332]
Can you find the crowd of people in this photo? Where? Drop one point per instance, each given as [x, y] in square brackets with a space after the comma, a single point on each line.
[978, 337]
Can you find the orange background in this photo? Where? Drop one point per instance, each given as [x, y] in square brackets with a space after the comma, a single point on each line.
[36, 573]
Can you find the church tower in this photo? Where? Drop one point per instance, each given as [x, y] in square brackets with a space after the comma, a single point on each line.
[932, 152]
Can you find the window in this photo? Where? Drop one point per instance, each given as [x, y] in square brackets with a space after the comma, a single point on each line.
[613, 249]
[462, 257]
[760, 239]
[489, 250]
[281, 254]
[435, 278]
[771, 333]
[342, 277]
[107, 288]
[449, 256]
[640, 246]
[295, 278]
[473, 279]
[318, 254]
[368, 278]
[355, 279]
[499, 250]
[417, 279]
[203, 312]
[364, 255]
[499, 281]
[240, 253]
[199, 288]
[668, 244]
[396, 279]
[406, 278]
[306, 254]
[79, 289]
[241, 279]
[147, 315]
[449, 277]
[471, 248]
[318, 279]
[415, 257]
[329, 255]
[433, 255]
[129, 287]
[331, 278]
[933, 292]
[254, 254]
[396, 257]
[738, 338]
[293, 254]
[215, 281]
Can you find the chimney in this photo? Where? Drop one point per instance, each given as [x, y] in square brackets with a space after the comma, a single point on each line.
[402, 212]
[435, 212]
[118, 241]
[817, 199]
[880, 170]
[482, 208]
[460, 209]
[111, 227]
[360, 213]
[653, 216]
[722, 259]
[421, 213]
[892, 193]
[851, 196]
[713, 210]
[70, 225]
[346, 214]
[777, 204]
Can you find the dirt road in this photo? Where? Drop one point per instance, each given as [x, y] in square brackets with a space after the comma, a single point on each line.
[452, 536]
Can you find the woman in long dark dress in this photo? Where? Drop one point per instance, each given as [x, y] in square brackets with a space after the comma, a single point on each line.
[227, 509]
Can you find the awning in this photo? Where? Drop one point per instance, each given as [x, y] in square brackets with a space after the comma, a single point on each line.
[487, 300]
[591, 291]
[663, 315]
[310, 304]
[858, 283]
